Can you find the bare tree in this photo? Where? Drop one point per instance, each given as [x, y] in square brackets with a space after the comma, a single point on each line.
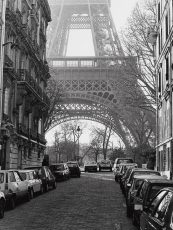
[54, 93]
[136, 43]
[102, 135]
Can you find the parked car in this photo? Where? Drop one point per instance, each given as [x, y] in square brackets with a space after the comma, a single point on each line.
[90, 166]
[148, 189]
[34, 182]
[138, 171]
[105, 164]
[13, 187]
[2, 204]
[74, 168]
[123, 179]
[46, 176]
[136, 183]
[119, 161]
[122, 170]
[158, 214]
[60, 171]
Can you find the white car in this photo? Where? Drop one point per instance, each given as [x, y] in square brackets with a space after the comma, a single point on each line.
[34, 183]
[2, 204]
[90, 166]
[13, 187]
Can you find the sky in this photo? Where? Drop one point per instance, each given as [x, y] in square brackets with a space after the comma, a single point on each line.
[121, 10]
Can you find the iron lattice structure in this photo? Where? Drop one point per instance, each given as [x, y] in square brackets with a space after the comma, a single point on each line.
[95, 88]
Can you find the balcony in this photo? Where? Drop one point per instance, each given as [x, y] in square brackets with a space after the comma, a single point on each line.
[41, 138]
[22, 129]
[33, 134]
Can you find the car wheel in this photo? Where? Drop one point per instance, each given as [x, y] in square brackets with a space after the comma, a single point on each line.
[128, 213]
[31, 192]
[134, 222]
[28, 196]
[110, 169]
[79, 175]
[2, 207]
[54, 185]
[46, 188]
[12, 203]
[41, 189]
[99, 169]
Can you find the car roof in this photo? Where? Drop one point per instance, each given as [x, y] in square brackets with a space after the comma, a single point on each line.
[34, 167]
[25, 170]
[154, 181]
[57, 164]
[127, 164]
[148, 176]
[73, 162]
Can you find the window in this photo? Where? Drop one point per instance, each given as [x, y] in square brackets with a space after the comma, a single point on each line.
[23, 175]
[156, 201]
[166, 27]
[12, 178]
[143, 190]
[1, 178]
[17, 177]
[158, 12]
[162, 208]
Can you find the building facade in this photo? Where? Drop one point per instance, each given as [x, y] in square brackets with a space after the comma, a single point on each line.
[25, 74]
[164, 77]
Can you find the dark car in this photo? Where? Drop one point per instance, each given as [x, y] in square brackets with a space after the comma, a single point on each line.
[158, 215]
[105, 164]
[74, 168]
[60, 171]
[122, 170]
[136, 183]
[138, 171]
[148, 189]
[47, 178]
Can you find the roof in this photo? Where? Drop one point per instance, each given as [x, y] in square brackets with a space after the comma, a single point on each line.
[149, 176]
[158, 181]
[25, 170]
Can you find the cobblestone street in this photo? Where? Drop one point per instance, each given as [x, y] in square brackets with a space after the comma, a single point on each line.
[92, 202]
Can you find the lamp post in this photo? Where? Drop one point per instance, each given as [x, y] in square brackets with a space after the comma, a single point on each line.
[78, 135]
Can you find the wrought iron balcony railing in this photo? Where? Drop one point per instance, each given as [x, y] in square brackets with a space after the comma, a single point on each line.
[22, 129]
[41, 138]
[24, 76]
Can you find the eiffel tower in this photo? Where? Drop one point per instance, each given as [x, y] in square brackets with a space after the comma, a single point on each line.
[93, 88]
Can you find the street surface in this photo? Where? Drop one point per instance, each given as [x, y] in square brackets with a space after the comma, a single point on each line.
[92, 202]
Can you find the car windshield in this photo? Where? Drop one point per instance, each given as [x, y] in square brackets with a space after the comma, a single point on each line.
[1, 178]
[138, 183]
[155, 189]
[57, 167]
[120, 161]
[72, 164]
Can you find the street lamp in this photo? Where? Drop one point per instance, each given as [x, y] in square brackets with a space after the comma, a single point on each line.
[78, 135]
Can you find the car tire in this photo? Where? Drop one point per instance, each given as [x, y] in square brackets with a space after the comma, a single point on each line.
[41, 189]
[99, 169]
[12, 203]
[31, 193]
[2, 208]
[54, 185]
[128, 211]
[28, 196]
[134, 222]
[79, 175]
[46, 188]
